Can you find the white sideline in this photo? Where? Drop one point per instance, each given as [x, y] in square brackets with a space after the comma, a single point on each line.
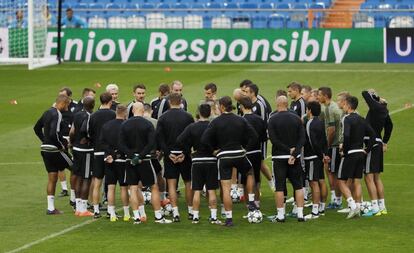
[178, 69]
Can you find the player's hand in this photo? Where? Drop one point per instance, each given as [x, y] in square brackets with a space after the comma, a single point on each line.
[326, 159]
[341, 147]
[173, 158]
[384, 147]
[291, 160]
[180, 158]
[292, 150]
[136, 160]
[109, 159]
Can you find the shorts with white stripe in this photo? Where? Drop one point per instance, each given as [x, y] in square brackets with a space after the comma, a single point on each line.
[226, 165]
[335, 156]
[314, 169]
[375, 160]
[204, 173]
[143, 172]
[82, 164]
[56, 161]
[351, 166]
[115, 172]
[282, 171]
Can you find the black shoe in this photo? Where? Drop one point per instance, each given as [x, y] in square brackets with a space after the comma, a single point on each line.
[190, 216]
[89, 206]
[63, 193]
[176, 219]
[195, 221]
[54, 212]
[278, 220]
[301, 219]
[72, 204]
[97, 215]
[228, 223]
[102, 207]
[252, 206]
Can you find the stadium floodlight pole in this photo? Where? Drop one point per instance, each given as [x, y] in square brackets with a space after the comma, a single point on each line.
[30, 26]
[59, 30]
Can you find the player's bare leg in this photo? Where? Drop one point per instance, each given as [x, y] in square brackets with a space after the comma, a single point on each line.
[97, 183]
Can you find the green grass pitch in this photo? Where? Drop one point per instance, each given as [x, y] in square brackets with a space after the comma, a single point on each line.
[23, 177]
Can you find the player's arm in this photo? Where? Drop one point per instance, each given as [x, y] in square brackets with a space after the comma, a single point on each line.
[209, 136]
[122, 143]
[371, 134]
[301, 139]
[163, 107]
[372, 103]
[55, 135]
[150, 141]
[184, 140]
[317, 143]
[72, 133]
[38, 128]
[160, 137]
[347, 136]
[388, 126]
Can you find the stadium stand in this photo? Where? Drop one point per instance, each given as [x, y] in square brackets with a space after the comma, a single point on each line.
[226, 14]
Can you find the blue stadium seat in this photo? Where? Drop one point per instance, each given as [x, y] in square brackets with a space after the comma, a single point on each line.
[283, 6]
[164, 6]
[317, 6]
[197, 9]
[248, 6]
[147, 6]
[83, 1]
[294, 24]
[300, 6]
[113, 6]
[131, 6]
[259, 22]
[276, 21]
[77, 6]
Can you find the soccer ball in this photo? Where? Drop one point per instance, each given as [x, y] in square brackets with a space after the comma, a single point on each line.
[235, 195]
[255, 216]
[365, 207]
[147, 197]
[167, 210]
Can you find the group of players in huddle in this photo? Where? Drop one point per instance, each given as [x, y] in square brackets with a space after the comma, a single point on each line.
[151, 144]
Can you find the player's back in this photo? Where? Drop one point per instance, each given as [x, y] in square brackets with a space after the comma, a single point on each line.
[110, 133]
[355, 129]
[96, 121]
[78, 120]
[284, 127]
[136, 133]
[231, 131]
[171, 124]
[259, 126]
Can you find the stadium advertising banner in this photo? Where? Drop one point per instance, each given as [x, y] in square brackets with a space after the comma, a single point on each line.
[210, 46]
[399, 45]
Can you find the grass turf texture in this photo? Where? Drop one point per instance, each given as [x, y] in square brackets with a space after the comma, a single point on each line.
[22, 186]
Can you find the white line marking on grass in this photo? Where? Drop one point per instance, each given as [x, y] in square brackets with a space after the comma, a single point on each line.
[19, 163]
[178, 69]
[399, 164]
[64, 231]
[401, 110]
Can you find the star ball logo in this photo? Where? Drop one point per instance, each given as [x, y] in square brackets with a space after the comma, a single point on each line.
[400, 45]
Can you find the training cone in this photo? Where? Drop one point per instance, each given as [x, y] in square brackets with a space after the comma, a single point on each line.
[98, 85]
[13, 102]
[167, 69]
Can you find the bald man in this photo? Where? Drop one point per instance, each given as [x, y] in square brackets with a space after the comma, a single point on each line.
[137, 140]
[287, 135]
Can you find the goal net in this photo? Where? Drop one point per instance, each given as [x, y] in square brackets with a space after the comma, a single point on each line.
[23, 33]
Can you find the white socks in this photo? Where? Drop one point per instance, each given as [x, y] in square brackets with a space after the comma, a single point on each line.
[351, 203]
[136, 214]
[111, 211]
[381, 203]
[333, 197]
[84, 205]
[315, 209]
[375, 207]
[126, 211]
[96, 208]
[64, 185]
[295, 208]
[72, 195]
[213, 213]
[281, 213]
[142, 211]
[321, 207]
[190, 209]
[229, 214]
[175, 211]
[300, 212]
[251, 197]
[196, 214]
[50, 202]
